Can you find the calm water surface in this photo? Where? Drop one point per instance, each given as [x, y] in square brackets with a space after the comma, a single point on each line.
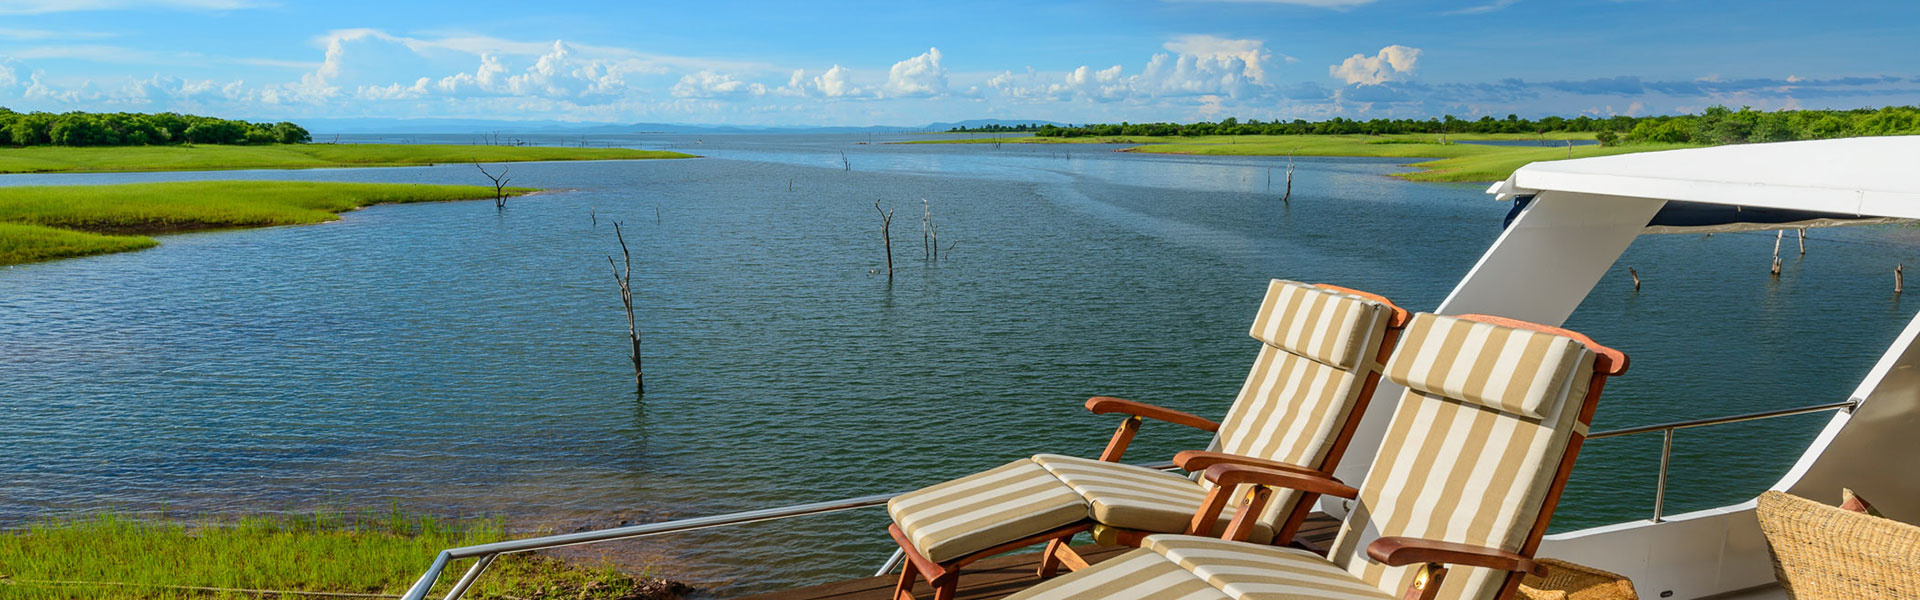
[456, 360]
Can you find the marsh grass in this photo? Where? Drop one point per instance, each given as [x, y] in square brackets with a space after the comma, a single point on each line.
[48, 222]
[63, 159]
[1450, 162]
[31, 243]
[116, 556]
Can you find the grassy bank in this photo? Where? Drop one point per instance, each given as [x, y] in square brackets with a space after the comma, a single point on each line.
[62, 159]
[108, 556]
[48, 222]
[1448, 162]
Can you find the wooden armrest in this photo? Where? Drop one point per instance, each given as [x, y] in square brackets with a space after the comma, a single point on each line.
[1101, 405]
[1230, 475]
[1195, 461]
[1401, 551]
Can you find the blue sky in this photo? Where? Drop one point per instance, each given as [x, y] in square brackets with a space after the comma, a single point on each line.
[898, 63]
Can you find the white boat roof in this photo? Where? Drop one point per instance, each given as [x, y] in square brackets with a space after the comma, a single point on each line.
[1861, 177]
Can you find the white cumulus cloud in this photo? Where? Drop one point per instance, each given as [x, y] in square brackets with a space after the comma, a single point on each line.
[836, 82]
[918, 76]
[1391, 63]
[1248, 56]
[708, 84]
[1198, 65]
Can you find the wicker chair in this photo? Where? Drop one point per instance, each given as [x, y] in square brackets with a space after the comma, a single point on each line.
[1568, 581]
[1822, 552]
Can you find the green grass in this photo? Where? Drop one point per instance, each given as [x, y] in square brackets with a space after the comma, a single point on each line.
[380, 553]
[1450, 162]
[48, 222]
[31, 243]
[61, 159]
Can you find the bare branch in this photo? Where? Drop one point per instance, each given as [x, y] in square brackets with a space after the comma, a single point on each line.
[625, 279]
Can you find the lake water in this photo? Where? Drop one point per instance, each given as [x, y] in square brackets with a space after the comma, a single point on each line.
[456, 360]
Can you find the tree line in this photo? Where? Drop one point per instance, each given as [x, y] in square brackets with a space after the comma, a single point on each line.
[1715, 125]
[139, 129]
[997, 128]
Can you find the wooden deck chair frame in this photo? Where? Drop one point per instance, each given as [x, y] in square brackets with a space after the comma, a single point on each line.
[1433, 556]
[945, 577]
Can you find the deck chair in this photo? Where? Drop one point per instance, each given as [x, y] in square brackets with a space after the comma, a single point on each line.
[1321, 351]
[1466, 481]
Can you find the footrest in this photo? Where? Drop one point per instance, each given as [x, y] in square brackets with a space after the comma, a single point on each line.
[1012, 502]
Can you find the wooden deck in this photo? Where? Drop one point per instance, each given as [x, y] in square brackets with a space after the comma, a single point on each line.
[999, 577]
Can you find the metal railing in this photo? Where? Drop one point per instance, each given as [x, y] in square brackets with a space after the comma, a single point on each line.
[1667, 429]
[486, 553]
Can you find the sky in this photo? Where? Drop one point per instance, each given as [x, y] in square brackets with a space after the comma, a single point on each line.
[908, 63]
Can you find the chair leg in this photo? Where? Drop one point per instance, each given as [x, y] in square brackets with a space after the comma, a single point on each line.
[1050, 559]
[947, 588]
[904, 589]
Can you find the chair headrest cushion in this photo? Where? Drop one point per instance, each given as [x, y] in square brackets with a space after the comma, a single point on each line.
[1504, 368]
[1319, 324]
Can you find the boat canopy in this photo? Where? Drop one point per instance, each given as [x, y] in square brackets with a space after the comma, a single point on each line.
[1816, 183]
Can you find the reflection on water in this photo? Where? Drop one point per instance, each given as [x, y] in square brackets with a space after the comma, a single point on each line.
[458, 360]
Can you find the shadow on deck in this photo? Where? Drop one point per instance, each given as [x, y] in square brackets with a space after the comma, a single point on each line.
[1001, 576]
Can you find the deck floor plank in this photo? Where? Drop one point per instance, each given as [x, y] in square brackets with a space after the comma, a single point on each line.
[1001, 576]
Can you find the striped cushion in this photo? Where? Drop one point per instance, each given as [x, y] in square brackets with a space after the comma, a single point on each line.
[1288, 410]
[1136, 575]
[1255, 572]
[1509, 369]
[1459, 471]
[986, 509]
[1323, 325]
[1137, 498]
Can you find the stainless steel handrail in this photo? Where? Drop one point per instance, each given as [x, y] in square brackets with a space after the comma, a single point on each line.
[487, 552]
[1667, 429]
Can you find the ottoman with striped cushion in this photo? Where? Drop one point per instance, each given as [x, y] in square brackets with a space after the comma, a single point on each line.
[986, 509]
[1123, 496]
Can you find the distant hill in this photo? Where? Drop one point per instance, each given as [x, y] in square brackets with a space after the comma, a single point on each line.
[978, 123]
[371, 125]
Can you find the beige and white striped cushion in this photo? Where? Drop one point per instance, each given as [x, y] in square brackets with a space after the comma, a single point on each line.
[1256, 572]
[1136, 575]
[1289, 410]
[1459, 471]
[986, 509]
[1513, 370]
[1138, 498]
[1327, 326]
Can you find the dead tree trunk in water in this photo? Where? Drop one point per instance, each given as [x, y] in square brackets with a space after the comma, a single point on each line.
[1777, 236]
[929, 233]
[1636, 278]
[1899, 278]
[499, 185]
[845, 165]
[886, 236]
[1287, 198]
[625, 279]
[1803, 241]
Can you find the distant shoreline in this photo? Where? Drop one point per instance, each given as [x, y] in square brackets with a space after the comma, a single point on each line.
[1437, 162]
[131, 159]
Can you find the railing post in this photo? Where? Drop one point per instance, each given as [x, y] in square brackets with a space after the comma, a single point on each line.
[468, 579]
[1660, 487]
[892, 561]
